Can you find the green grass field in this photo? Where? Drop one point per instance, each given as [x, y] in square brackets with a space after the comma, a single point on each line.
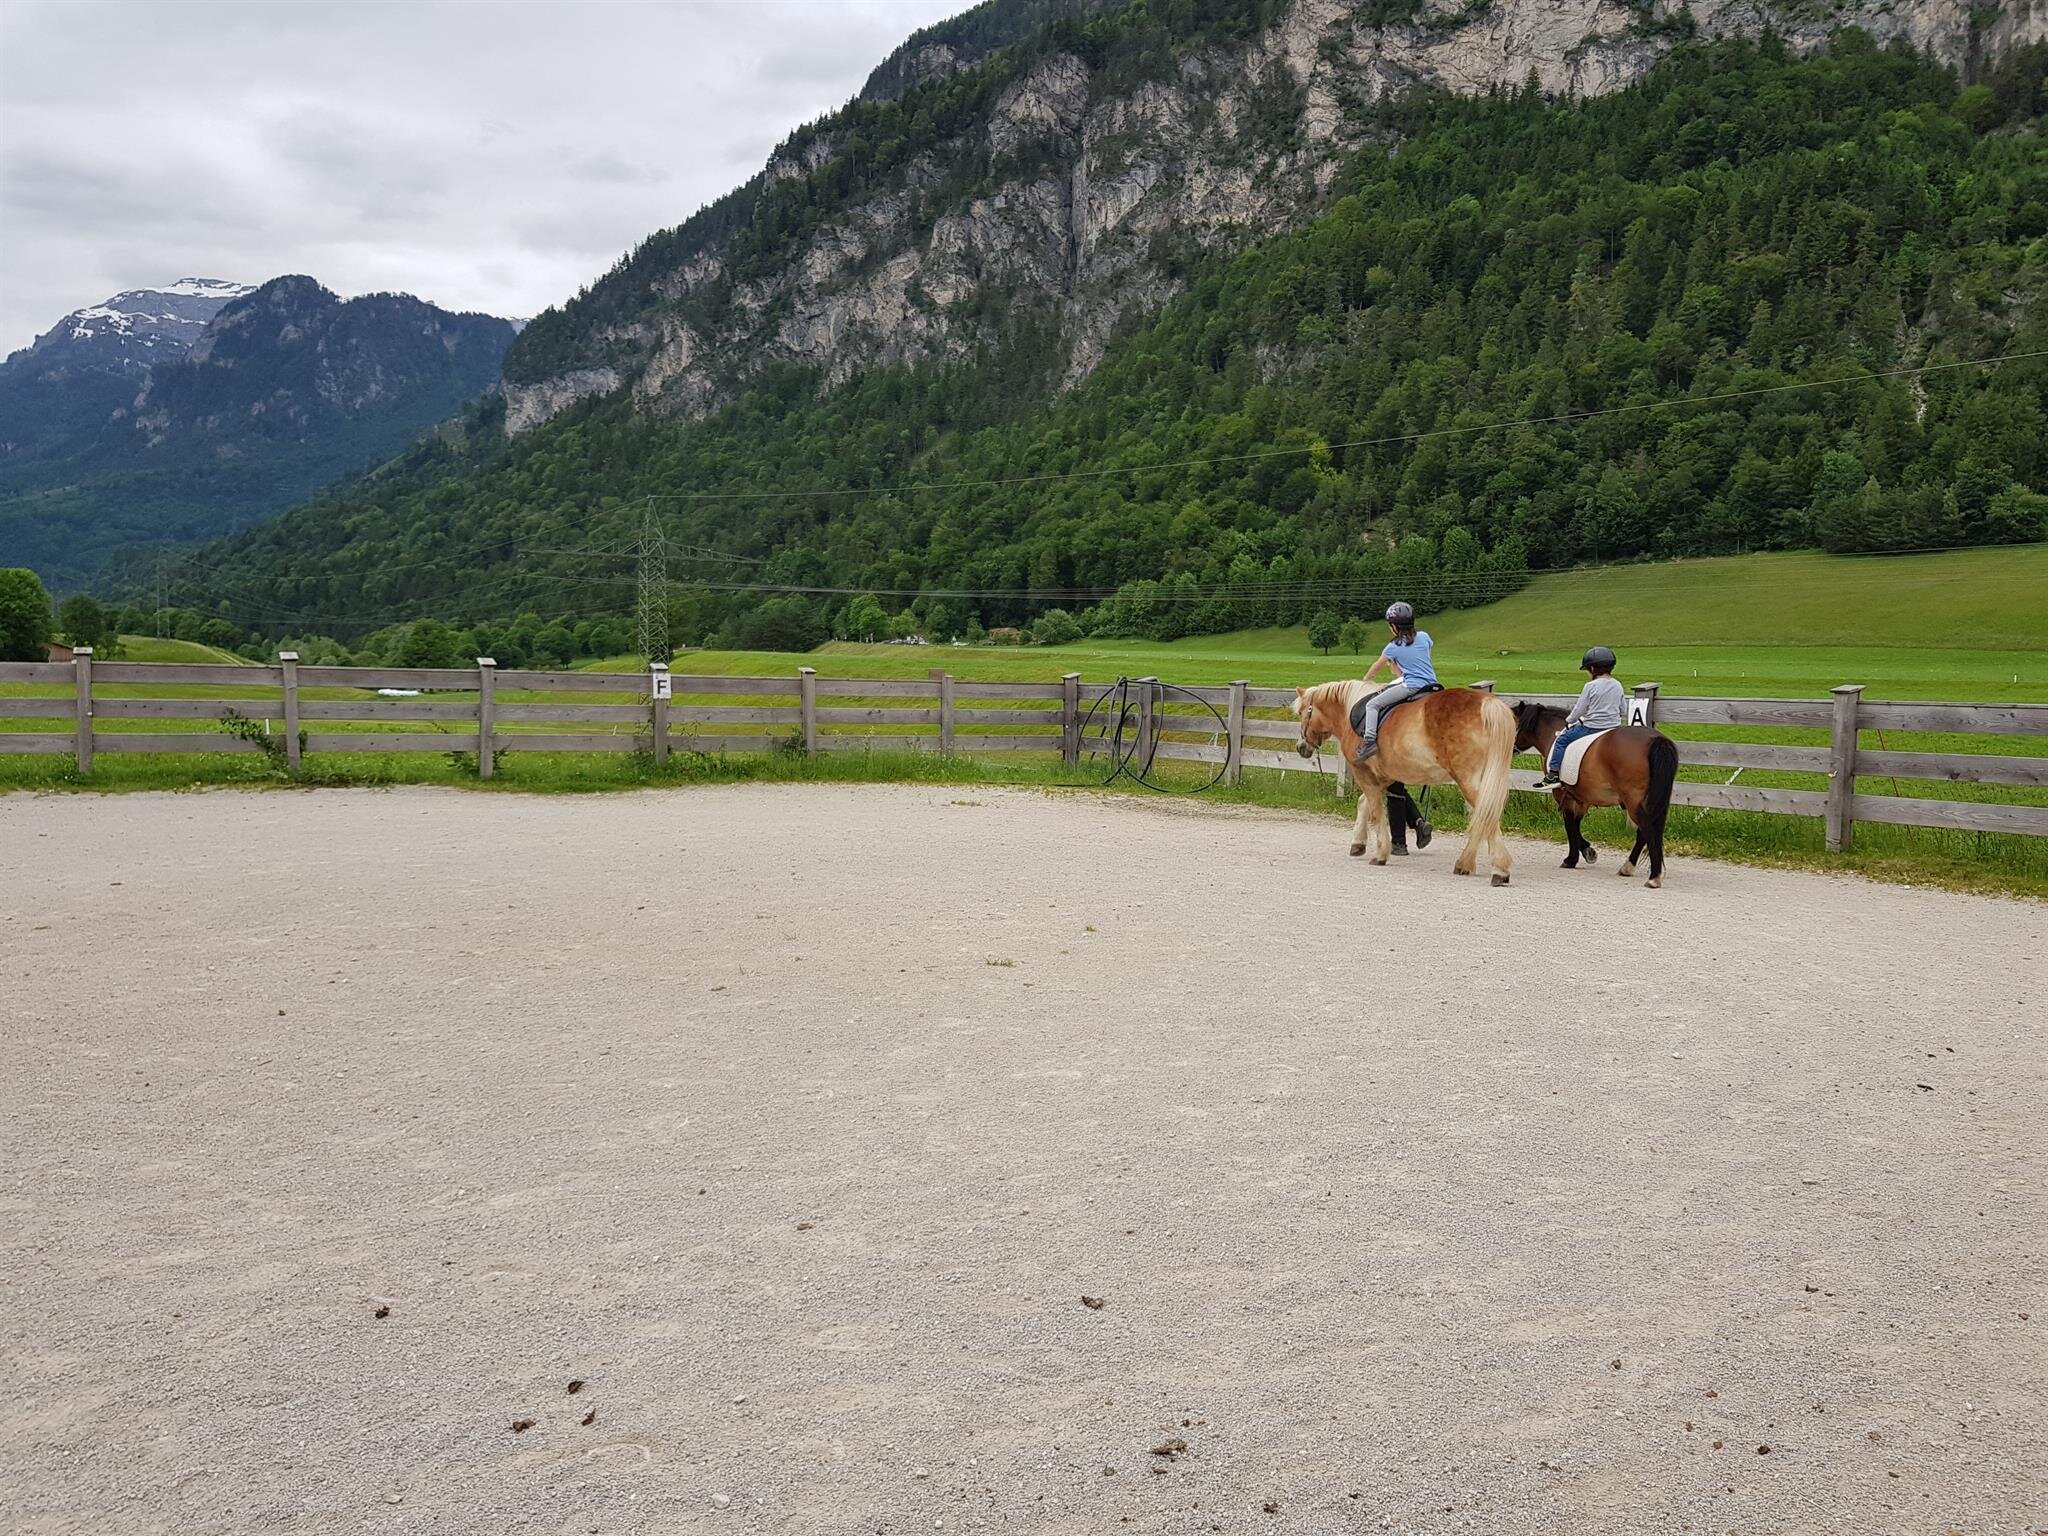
[1976, 599]
[1970, 626]
[149, 648]
[1967, 627]
[1283, 658]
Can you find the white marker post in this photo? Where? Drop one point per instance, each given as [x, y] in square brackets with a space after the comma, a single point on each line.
[659, 689]
[1642, 704]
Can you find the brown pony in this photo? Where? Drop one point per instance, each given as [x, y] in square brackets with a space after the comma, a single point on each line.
[1633, 767]
[1461, 736]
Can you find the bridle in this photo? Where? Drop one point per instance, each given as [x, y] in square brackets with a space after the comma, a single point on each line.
[1306, 713]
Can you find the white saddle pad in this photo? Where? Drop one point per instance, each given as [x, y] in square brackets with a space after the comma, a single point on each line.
[1575, 754]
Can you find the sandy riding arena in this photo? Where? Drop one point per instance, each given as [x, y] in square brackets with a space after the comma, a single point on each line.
[927, 1158]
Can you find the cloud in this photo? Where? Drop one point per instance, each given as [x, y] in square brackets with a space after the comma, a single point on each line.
[493, 157]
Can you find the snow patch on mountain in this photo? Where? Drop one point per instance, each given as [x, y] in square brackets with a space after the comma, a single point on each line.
[130, 332]
[204, 288]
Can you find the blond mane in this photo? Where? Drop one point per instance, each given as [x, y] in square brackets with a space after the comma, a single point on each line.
[1345, 691]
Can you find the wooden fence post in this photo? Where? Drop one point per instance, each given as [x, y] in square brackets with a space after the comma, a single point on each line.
[807, 694]
[1647, 692]
[1233, 771]
[289, 662]
[945, 714]
[1148, 722]
[1070, 718]
[1842, 769]
[658, 686]
[486, 715]
[81, 663]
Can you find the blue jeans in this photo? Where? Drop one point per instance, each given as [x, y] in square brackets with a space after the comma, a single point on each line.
[1366, 719]
[1565, 738]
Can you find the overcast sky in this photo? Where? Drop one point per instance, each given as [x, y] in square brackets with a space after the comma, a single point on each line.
[493, 155]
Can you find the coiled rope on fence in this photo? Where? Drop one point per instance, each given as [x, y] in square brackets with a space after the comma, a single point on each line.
[1126, 735]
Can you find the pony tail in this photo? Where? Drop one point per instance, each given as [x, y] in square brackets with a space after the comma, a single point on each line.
[1663, 773]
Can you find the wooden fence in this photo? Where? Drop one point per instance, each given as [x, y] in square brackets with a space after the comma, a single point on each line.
[1250, 727]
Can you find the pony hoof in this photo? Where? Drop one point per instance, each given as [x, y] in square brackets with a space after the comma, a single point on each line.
[1627, 871]
[1569, 864]
[1589, 855]
[1357, 849]
[1655, 882]
[1381, 859]
[1500, 879]
[1457, 871]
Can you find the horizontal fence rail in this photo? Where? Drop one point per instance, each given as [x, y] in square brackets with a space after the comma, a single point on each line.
[289, 710]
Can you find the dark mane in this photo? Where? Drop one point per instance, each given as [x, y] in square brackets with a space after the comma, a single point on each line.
[1530, 717]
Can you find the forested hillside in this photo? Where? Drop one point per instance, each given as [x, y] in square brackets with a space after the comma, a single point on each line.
[1536, 333]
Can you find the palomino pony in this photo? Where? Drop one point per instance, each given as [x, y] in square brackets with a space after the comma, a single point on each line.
[1461, 736]
[1633, 767]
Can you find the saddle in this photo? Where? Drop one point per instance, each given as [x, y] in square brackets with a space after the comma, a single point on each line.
[1358, 709]
[1575, 754]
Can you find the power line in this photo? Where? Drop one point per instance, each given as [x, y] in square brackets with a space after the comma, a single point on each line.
[1392, 440]
[1461, 587]
[1359, 586]
[519, 584]
[1336, 588]
[629, 548]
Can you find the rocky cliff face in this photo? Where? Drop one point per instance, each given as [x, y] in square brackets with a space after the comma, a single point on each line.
[1094, 185]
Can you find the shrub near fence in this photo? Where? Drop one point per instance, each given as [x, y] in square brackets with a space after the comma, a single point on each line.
[662, 712]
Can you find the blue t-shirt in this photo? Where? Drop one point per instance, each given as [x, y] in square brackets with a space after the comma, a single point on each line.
[1417, 670]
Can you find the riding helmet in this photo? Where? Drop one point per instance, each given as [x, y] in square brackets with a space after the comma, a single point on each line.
[1401, 613]
[1599, 656]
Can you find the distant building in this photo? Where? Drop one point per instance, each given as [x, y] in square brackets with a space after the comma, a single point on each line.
[56, 650]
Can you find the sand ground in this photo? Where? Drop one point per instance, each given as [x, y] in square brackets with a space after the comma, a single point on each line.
[795, 1122]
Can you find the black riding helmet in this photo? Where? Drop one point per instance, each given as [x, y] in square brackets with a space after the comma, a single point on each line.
[1401, 613]
[1599, 657]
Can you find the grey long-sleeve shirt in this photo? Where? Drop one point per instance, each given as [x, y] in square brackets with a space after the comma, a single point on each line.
[1601, 705]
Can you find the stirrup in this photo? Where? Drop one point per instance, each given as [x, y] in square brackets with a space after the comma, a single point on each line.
[1366, 751]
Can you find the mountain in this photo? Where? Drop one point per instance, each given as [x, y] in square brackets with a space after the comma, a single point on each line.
[128, 334]
[88, 365]
[174, 414]
[1036, 164]
[291, 358]
[1173, 296]
[963, 41]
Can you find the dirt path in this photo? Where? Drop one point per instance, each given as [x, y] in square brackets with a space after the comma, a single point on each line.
[797, 1121]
